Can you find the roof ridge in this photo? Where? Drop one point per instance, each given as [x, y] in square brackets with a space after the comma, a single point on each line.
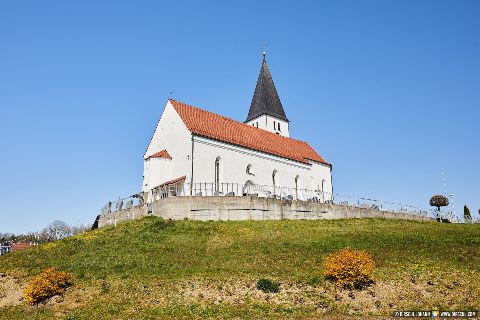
[233, 120]
[191, 106]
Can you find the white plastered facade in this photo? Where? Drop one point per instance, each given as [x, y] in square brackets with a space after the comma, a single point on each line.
[234, 161]
[272, 124]
[194, 156]
[172, 135]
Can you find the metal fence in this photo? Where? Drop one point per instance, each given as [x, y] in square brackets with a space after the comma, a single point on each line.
[5, 249]
[361, 202]
[208, 189]
[125, 203]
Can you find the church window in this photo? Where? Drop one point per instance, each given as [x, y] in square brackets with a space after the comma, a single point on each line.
[296, 187]
[323, 190]
[278, 126]
[248, 187]
[249, 169]
[274, 125]
[274, 180]
[217, 174]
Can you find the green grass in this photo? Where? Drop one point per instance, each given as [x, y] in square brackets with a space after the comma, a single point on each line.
[152, 250]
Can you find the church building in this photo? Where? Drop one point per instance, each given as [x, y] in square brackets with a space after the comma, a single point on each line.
[198, 153]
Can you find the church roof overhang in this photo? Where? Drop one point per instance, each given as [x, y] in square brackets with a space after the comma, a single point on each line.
[266, 113]
[207, 124]
[161, 154]
[176, 180]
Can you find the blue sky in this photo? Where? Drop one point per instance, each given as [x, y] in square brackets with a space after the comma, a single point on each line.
[387, 91]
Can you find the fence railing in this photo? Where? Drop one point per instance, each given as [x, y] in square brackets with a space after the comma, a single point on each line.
[125, 203]
[361, 202]
[5, 249]
[208, 189]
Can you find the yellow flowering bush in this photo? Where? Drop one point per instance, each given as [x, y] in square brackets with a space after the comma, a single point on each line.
[349, 268]
[50, 245]
[47, 284]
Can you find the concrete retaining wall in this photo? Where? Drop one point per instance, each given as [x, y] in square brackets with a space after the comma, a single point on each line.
[250, 208]
[125, 214]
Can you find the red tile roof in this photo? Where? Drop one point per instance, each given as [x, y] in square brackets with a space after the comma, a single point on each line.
[182, 178]
[20, 246]
[214, 126]
[160, 154]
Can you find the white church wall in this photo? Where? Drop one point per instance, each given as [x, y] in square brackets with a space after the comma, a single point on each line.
[157, 171]
[234, 161]
[271, 124]
[172, 135]
[323, 182]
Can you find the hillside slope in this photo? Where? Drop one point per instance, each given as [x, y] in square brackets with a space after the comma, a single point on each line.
[151, 269]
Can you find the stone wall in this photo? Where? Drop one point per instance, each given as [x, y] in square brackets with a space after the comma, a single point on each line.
[250, 208]
[125, 214]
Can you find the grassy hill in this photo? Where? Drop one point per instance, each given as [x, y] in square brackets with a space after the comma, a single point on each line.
[154, 269]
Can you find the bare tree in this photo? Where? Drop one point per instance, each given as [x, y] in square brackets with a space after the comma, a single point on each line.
[81, 227]
[57, 230]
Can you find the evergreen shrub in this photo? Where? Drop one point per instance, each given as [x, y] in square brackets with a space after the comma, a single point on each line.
[267, 285]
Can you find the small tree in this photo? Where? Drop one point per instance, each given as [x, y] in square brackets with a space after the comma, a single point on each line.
[438, 201]
[466, 214]
[95, 223]
[57, 230]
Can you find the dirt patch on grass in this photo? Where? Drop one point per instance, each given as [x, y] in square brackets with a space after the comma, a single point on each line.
[447, 292]
[241, 292]
[11, 294]
[11, 290]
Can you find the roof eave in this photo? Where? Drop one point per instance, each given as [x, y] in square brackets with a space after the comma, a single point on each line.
[266, 113]
[242, 146]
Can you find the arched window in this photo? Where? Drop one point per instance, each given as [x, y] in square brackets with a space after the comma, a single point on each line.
[217, 174]
[274, 180]
[248, 187]
[296, 187]
[323, 190]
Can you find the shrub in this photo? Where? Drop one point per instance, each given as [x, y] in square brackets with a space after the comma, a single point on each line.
[466, 214]
[349, 268]
[47, 284]
[105, 287]
[267, 285]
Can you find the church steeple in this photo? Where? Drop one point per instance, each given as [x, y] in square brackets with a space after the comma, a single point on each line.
[265, 99]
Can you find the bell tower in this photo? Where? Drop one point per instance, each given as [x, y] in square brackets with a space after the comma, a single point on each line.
[266, 110]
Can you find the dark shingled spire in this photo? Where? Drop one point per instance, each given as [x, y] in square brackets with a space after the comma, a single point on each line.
[265, 98]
